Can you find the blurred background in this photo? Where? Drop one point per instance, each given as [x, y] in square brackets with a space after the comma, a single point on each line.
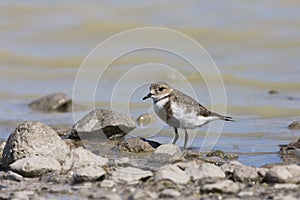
[255, 44]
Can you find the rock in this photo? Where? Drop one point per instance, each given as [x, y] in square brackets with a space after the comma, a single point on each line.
[273, 92]
[24, 195]
[283, 174]
[53, 102]
[290, 148]
[33, 138]
[167, 152]
[108, 197]
[225, 186]
[145, 119]
[172, 173]
[286, 186]
[221, 154]
[245, 194]
[80, 158]
[130, 175]
[204, 170]
[245, 174]
[135, 145]
[89, 173]
[169, 193]
[100, 123]
[35, 166]
[215, 160]
[108, 183]
[10, 176]
[295, 125]
[143, 194]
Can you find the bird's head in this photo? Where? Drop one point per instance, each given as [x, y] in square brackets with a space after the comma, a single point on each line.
[159, 90]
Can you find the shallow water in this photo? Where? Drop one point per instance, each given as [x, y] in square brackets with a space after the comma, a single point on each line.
[254, 44]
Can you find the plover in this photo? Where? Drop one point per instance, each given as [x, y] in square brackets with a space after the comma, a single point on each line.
[180, 110]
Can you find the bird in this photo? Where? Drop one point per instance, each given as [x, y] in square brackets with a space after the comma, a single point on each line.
[179, 110]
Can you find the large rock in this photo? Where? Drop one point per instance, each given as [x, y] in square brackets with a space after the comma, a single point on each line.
[80, 158]
[172, 173]
[102, 122]
[283, 174]
[135, 145]
[53, 102]
[33, 138]
[130, 175]
[89, 173]
[35, 166]
[204, 170]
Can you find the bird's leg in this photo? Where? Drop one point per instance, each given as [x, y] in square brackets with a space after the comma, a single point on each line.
[186, 137]
[176, 135]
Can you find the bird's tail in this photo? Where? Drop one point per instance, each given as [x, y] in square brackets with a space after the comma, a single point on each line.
[222, 117]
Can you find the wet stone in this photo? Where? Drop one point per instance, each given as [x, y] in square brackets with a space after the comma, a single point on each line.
[102, 123]
[53, 102]
[295, 125]
[136, 145]
[33, 138]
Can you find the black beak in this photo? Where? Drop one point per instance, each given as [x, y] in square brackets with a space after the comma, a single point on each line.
[147, 96]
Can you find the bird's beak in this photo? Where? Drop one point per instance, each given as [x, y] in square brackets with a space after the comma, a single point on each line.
[147, 96]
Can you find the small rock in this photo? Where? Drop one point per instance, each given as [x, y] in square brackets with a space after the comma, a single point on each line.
[10, 176]
[290, 148]
[24, 195]
[229, 167]
[135, 145]
[35, 166]
[80, 158]
[221, 154]
[143, 194]
[89, 173]
[53, 102]
[130, 175]
[283, 174]
[169, 193]
[215, 160]
[225, 186]
[102, 122]
[108, 197]
[273, 92]
[204, 170]
[108, 183]
[245, 174]
[2, 145]
[172, 173]
[295, 125]
[145, 119]
[167, 152]
[33, 138]
[286, 186]
[245, 194]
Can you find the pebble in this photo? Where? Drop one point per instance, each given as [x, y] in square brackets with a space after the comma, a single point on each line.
[35, 166]
[141, 194]
[33, 138]
[169, 193]
[245, 174]
[225, 186]
[172, 173]
[102, 123]
[108, 183]
[89, 173]
[130, 175]
[286, 186]
[245, 194]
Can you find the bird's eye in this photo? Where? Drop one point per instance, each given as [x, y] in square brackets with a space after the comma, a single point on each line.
[161, 89]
